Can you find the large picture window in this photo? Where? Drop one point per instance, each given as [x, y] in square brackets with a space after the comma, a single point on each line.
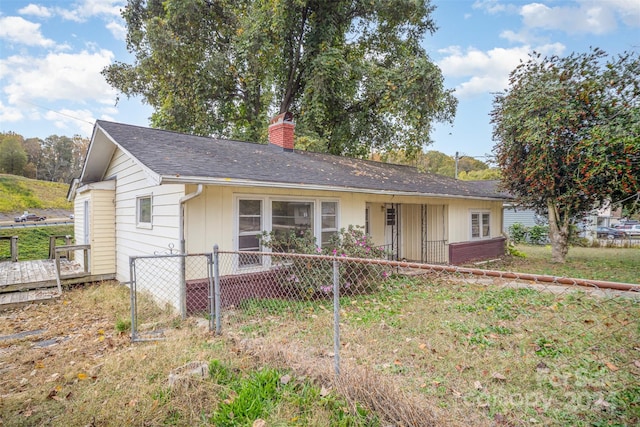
[480, 225]
[319, 217]
[289, 217]
[143, 216]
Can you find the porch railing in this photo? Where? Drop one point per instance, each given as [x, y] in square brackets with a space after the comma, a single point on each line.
[434, 252]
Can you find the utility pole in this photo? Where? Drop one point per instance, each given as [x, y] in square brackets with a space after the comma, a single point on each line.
[458, 157]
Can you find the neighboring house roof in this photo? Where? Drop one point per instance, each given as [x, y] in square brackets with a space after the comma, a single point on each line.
[175, 157]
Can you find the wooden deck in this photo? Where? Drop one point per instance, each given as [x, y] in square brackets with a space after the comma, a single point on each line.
[24, 282]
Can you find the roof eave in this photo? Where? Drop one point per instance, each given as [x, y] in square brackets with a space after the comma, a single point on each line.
[235, 182]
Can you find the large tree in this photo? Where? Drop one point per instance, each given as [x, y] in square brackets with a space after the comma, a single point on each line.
[353, 72]
[567, 134]
[58, 153]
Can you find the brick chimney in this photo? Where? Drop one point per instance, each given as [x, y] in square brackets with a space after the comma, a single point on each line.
[281, 131]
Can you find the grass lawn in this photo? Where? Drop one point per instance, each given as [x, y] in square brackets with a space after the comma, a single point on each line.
[436, 349]
[483, 353]
[33, 242]
[18, 194]
[605, 263]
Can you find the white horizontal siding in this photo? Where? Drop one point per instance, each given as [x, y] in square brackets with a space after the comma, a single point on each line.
[131, 240]
[526, 217]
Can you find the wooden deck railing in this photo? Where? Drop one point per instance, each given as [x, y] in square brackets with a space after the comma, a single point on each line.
[53, 240]
[13, 243]
[70, 249]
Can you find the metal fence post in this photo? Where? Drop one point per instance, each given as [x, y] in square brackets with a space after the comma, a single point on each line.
[216, 285]
[132, 287]
[336, 316]
[212, 311]
[183, 286]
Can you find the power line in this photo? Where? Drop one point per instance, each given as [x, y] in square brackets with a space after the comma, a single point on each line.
[57, 112]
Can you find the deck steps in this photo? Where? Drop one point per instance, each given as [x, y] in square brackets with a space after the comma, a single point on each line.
[10, 300]
[35, 281]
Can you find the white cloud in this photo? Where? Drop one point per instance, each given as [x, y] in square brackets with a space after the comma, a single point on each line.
[585, 18]
[20, 31]
[118, 30]
[627, 10]
[577, 17]
[483, 72]
[10, 113]
[494, 7]
[35, 10]
[71, 120]
[520, 37]
[91, 8]
[58, 76]
[491, 6]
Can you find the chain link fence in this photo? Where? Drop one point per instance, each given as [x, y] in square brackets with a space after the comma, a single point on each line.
[167, 288]
[522, 348]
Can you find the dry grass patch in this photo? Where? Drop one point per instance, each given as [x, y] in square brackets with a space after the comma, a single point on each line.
[78, 369]
[71, 362]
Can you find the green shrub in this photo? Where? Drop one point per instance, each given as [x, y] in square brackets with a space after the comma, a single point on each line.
[518, 233]
[539, 234]
[513, 251]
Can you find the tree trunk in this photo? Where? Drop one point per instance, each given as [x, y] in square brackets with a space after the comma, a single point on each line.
[558, 234]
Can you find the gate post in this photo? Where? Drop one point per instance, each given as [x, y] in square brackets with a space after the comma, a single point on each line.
[336, 316]
[216, 286]
[132, 287]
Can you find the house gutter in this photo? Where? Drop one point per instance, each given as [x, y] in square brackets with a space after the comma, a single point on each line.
[183, 200]
[183, 249]
[234, 182]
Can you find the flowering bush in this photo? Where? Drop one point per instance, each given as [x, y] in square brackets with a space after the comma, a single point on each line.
[353, 242]
[311, 278]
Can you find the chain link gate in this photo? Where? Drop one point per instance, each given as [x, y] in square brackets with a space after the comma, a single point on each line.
[167, 288]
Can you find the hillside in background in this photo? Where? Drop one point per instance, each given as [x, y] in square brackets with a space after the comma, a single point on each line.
[19, 194]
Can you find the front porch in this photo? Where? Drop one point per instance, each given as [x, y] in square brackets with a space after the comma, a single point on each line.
[421, 233]
[410, 232]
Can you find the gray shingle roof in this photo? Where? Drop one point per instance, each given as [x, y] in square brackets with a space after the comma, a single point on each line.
[172, 154]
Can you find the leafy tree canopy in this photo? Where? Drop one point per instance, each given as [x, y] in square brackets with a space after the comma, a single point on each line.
[568, 135]
[352, 71]
[13, 157]
[56, 158]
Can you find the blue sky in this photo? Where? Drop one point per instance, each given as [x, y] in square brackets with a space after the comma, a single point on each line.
[52, 52]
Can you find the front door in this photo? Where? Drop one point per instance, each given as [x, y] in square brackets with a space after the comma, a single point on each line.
[392, 229]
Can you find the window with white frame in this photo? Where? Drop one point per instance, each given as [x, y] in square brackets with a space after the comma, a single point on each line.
[283, 216]
[143, 211]
[249, 230]
[480, 225]
[291, 216]
[329, 221]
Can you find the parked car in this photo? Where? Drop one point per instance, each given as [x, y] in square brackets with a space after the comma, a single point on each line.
[633, 231]
[29, 217]
[625, 225]
[610, 233]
